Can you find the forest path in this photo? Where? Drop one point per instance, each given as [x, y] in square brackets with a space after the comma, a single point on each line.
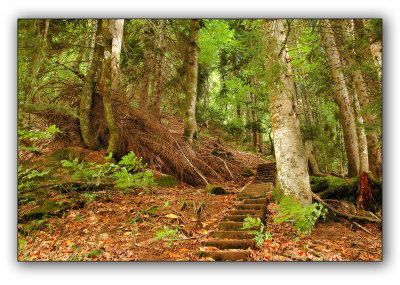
[231, 241]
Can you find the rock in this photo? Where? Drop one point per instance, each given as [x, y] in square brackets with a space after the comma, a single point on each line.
[215, 189]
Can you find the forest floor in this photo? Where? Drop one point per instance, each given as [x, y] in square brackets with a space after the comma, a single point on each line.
[117, 226]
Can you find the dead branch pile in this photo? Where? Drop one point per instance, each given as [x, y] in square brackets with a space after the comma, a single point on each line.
[196, 164]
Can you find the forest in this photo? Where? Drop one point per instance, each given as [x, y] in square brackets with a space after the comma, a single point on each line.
[199, 139]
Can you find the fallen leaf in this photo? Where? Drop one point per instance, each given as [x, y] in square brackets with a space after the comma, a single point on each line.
[172, 216]
[183, 250]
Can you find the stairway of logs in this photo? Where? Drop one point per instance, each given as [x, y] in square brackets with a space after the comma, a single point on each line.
[232, 241]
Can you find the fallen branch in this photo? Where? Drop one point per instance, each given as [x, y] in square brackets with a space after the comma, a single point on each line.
[344, 215]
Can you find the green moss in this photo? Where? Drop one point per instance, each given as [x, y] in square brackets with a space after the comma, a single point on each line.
[247, 172]
[63, 154]
[50, 207]
[215, 189]
[167, 181]
[330, 186]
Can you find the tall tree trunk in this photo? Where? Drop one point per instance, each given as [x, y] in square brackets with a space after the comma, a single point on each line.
[342, 98]
[292, 172]
[92, 42]
[88, 90]
[190, 126]
[107, 87]
[254, 121]
[159, 74]
[365, 98]
[360, 90]
[116, 27]
[144, 93]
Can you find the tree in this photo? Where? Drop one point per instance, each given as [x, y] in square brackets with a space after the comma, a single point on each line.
[292, 172]
[190, 125]
[159, 71]
[342, 99]
[88, 90]
[107, 82]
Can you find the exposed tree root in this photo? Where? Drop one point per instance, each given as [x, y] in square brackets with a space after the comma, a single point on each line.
[345, 215]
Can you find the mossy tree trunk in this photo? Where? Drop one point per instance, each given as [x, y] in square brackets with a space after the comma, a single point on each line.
[190, 125]
[292, 172]
[88, 90]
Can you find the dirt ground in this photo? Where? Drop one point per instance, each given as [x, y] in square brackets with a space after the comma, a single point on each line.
[117, 227]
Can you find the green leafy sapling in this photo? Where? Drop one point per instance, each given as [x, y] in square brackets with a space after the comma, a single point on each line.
[252, 223]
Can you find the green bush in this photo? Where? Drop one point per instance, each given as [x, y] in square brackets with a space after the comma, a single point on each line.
[251, 223]
[129, 173]
[303, 218]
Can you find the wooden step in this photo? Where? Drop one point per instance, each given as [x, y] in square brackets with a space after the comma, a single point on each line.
[239, 218]
[233, 226]
[246, 212]
[233, 235]
[231, 243]
[225, 255]
[256, 201]
[250, 207]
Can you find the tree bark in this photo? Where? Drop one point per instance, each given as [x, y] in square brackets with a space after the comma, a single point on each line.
[342, 98]
[292, 172]
[116, 28]
[254, 121]
[190, 126]
[88, 91]
[159, 74]
[144, 93]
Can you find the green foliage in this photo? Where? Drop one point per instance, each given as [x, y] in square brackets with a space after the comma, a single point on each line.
[28, 178]
[167, 234]
[303, 218]
[129, 173]
[31, 227]
[235, 127]
[34, 136]
[251, 223]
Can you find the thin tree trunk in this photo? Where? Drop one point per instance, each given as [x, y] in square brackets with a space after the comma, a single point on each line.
[190, 126]
[292, 172]
[116, 27]
[144, 93]
[92, 42]
[253, 121]
[159, 75]
[342, 98]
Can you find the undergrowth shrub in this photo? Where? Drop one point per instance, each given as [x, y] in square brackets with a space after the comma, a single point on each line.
[130, 173]
[303, 218]
[251, 223]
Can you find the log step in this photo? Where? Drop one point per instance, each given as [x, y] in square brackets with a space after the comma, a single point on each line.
[250, 207]
[226, 255]
[233, 235]
[256, 201]
[246, 212]
[239, 218]
[233, 226]
[231, 243]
